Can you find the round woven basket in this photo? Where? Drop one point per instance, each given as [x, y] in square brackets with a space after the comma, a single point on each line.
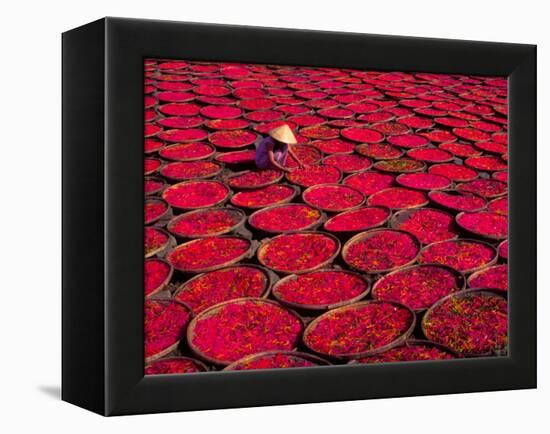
[424, 342]
[252, 187]
[402, 216]
[175, 345]
[159, 189]
[310, 227]
[280, 202]
[321, 186]
[271, 278]
[261, 252]
[189, 208]
[317, 307]
[396, 342]
[346, 233]
[249, 253]
[202, 157]
[165, 281]
[167, 212]
[459, 277]
[478, 233]
[460, 294]
[453, 192]
[379, 192]
[203, 367]
[309, 357]
[170, 242]
[214, 309]
[363, 235]
[470, 270]
[207, 176]
[237, 212]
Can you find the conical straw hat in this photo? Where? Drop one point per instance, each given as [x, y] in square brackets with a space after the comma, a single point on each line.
[283, 134]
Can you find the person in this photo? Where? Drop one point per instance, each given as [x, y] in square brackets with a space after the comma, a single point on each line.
[273, 150]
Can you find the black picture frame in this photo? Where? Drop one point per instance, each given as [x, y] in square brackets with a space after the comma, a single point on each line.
[103, 222]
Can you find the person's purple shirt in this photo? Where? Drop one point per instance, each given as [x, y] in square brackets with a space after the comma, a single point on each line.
[280, 152]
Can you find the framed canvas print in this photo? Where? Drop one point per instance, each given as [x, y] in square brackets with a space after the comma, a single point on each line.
[263, 216]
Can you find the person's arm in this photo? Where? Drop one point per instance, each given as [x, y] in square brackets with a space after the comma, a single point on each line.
[293, 154]
[275, 163]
